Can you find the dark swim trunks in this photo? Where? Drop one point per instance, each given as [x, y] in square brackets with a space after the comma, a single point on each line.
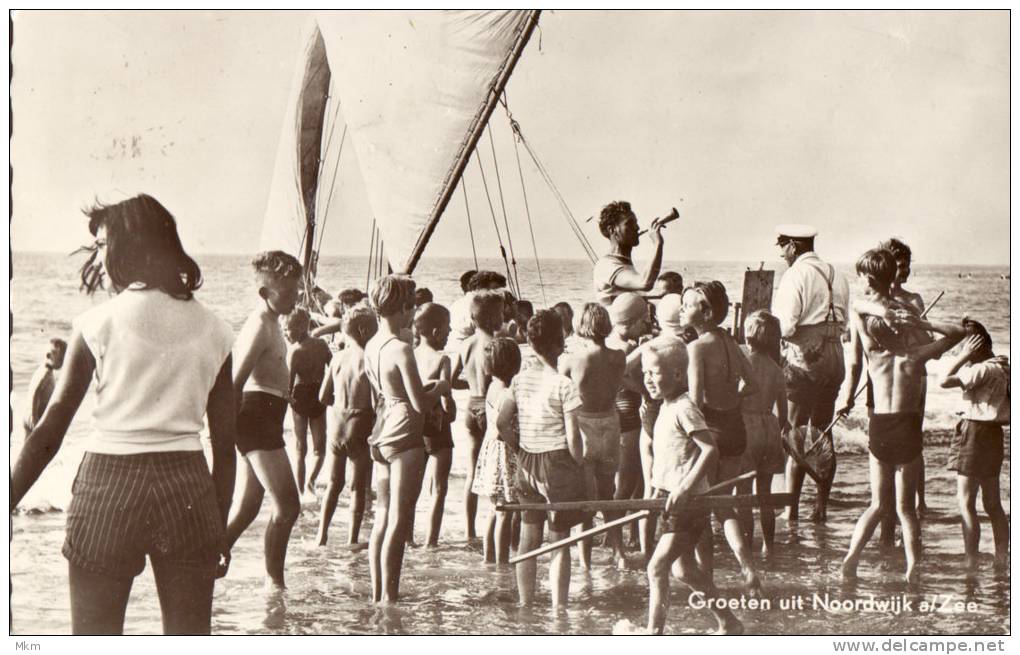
[689, 521]
[895, 438]
[260, 422]
[731, 435]
[977, 449]
[306, 400]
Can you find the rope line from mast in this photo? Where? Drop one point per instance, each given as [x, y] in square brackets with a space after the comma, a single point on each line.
[329, 198]
[471, 231]
[502, 203]
[527, 212]
[495, 225]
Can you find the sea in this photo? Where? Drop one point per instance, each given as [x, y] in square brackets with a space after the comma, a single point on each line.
[449, 590]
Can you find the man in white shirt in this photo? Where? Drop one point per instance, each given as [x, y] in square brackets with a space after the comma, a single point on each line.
[811, 304]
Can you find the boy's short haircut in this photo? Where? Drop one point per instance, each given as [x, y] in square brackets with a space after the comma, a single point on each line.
[299, 319]
[465, 280]
[900, 251]
[673, 353]
[545, 332]
[714, 295]
[502, 359]
[487, 311]
[361, 325]
[525, 308]
[612, 214]
[509, 306]
[879, 266]
[350, 297]
[670, 282]
[486, 280]
[276, 265]
[430, 316]
[566, 313]
[422, 296]
[595, 323]
[762, 333]
[392, 294]
[57, 342]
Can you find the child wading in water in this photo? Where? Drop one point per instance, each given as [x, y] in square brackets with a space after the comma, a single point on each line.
[432, 325]
[896, 366]
[684, 455]
[307, 360]
[398, 448]
[717, 366]
[261, 382]
[977, 447]
[597, 371]
[549, 463]
[487, 314]
[347, 389]
[497, 460]
[764, 452]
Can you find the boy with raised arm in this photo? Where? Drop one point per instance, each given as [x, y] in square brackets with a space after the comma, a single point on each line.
[896, 364]
[261, 383]
[347, 389]
[684, 458]
[397, 448]
[307, 359]
[977, 446]
[487, 315]
[597, 372]
[549, 461]
[432, 326]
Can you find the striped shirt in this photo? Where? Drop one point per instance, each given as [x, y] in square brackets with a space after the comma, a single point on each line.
[543, 396]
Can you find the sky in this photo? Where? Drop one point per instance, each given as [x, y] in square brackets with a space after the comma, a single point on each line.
[864, 124]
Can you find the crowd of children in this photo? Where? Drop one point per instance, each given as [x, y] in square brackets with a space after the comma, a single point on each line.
[635, 400]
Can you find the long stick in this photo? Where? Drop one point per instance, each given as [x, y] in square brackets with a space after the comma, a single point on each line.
[656, 504]
[861, 390]
[590, 532]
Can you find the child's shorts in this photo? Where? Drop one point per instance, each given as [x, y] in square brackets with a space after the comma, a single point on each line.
[439, 441]
[764, 452]
[124, 507]
[260, 422]
[601, 435]
[551, 477]
[977, 449]
[474, 418]
[306, 400]
[728, 426]
[352, 430]
[896, 438]
[691, 522]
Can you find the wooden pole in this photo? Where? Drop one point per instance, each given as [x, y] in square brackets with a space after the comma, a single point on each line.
[656, 504]
[573, 539]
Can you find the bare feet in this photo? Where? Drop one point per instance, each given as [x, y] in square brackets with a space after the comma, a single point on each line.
[817, 516]
[752, 583]
[848, 570]
[731, 626]
[913, 575]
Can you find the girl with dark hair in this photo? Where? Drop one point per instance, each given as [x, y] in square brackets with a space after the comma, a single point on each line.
[162, 363]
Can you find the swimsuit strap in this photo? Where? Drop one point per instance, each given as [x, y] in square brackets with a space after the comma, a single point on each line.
[375, 377]
[829, 279]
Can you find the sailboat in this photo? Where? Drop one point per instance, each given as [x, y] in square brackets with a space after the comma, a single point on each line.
[407, 94]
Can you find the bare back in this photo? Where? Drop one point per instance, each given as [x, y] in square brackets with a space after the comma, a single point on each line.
[352, 388]
[717, 366]
[597, 371]
[897, 375]
[769, 378]
[308, 361]
[472, 354]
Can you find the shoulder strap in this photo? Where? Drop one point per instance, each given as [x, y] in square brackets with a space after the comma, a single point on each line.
[829, 278]
[374, 375]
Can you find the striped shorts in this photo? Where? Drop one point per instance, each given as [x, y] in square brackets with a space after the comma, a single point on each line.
[125, 507]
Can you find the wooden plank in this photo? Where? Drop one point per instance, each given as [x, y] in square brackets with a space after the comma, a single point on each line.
[757, 295]
[654, 504]
[573, 539]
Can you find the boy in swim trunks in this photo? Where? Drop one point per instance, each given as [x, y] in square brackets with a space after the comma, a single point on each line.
[550, 459]
[629, 314]
[597, 371]
[487, 315]
[397, 448]
[307, 359]
[715, 373]
[977, 447]
[896, 365]
[347, 389]
[684, 457]
[261, 382]
[432, 327]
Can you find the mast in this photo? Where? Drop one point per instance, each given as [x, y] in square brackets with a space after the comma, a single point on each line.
[473, 136]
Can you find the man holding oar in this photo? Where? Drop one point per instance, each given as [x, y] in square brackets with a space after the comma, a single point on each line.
[811, 304]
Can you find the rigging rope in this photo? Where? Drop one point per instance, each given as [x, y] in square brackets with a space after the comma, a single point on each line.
[471, 231]
[527, 211]
[571, 221]
[495, 225]
[332, 188]
[506, 222]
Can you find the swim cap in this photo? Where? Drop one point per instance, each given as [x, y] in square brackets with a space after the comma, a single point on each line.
[668, 312]
[627, 308]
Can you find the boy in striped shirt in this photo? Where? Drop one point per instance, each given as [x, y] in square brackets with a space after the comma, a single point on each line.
[549, 461]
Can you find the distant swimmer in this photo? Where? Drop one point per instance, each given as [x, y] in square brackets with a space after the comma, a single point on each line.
[44, 381]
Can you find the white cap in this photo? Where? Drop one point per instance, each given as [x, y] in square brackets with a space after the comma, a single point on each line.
[796, 231]
[668, 310]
